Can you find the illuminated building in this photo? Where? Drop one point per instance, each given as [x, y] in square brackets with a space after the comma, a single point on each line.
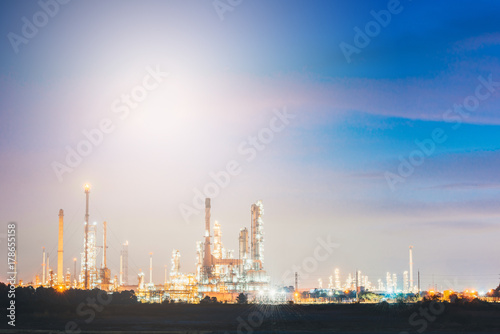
[405, 282]
[60, 249]
[411, 268]
[88, 273]
[389, 284]
[217, 270]
[337, 279]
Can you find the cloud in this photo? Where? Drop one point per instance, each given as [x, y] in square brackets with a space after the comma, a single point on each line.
[459, 225]
[465, 186]
[478, 42]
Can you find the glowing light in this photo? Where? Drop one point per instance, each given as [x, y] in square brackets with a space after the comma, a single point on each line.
[87, 187]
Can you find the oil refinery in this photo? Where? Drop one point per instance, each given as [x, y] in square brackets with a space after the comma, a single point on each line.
[220, 273]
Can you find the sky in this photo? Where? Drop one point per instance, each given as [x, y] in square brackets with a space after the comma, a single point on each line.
[372, 124]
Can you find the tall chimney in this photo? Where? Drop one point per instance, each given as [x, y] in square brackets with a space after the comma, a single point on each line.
[104, 245]
[60, 276]
[43, 266]
[411, 269]
[150, 268]
[47, 269]
[74, 272]
[86, 278]
[207, 259]
[121, 269]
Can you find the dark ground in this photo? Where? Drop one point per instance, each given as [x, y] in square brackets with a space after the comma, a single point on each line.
[219, 318]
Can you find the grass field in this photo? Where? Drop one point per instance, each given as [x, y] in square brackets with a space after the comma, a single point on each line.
[220, 318]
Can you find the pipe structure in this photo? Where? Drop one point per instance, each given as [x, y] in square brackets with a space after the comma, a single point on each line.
[47, 270]
[257, 231]
[207, 258]
[150, 268]
[124, 264]
[60, 248]
[43, 266]
[411, 268]
[74, 270]
[121, 269]
[104, 245]
[86, 278]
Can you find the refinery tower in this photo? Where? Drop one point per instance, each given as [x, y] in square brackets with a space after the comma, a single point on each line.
[88, 270]
[217, 268]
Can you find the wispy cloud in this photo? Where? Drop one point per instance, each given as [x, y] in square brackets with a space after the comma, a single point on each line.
[478, 42]
[459, 225]
[465, 186]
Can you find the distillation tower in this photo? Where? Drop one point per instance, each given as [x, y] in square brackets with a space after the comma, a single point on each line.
[89, 256]
[218, 271]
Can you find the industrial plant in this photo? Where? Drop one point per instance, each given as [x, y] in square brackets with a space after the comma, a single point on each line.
[220, 273]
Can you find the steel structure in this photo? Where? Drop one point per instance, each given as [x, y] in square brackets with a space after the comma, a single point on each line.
[60, 248]
[124, 264]
[411, 268]
[89, 255]
[218, 271]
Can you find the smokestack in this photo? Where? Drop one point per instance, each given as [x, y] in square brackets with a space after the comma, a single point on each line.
[60, 277]
[257, 238]
[411, 268]
[124, 264]
[104, 245]
[207, 259]
[243, 248]
[47, 270]
[74, 271]
[207, 217]
[151, 268]
[43, 266]
[87, 191]
[121, 269]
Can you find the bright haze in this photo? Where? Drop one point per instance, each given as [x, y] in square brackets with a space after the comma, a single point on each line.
[373, 148]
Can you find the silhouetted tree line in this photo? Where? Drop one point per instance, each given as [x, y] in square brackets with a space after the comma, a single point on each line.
[29, 295]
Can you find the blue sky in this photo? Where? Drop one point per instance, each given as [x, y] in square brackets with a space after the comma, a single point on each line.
[325, 173]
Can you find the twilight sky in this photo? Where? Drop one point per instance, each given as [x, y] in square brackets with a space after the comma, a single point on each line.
[183, 89]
